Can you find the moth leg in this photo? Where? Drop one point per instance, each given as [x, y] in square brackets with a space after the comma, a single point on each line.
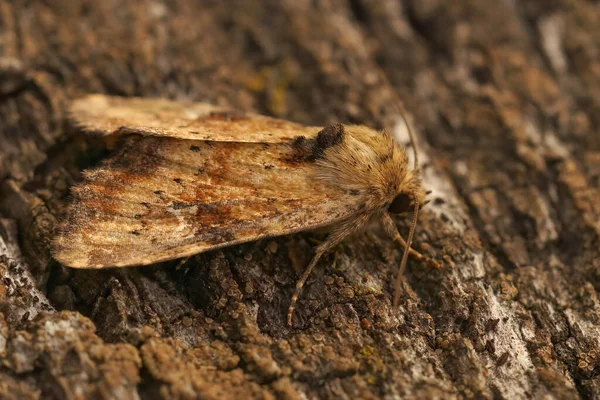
[332, 240]
[392, 231]
[182, 262]
[300, 283]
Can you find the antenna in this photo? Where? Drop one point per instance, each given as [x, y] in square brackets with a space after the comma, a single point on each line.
[404, 115]
[410, 133]
[405, 256]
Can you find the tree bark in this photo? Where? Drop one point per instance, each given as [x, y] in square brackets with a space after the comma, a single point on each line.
[505, 97]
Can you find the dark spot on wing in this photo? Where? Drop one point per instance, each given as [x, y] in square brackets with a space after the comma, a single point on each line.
[178, 205]
[218, 235]
[195, 148]
[301, 151]
[354, 192]
[136, 233]
[177, 180]
[312, 149]
[269, 166]
[328, 137]
[161, 195]
[300, 143]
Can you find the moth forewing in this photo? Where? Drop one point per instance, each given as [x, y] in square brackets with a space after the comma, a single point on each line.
[191, 177]
[108, 115]
[158, 199]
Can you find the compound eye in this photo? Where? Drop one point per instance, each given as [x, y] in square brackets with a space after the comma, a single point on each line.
[400, 204]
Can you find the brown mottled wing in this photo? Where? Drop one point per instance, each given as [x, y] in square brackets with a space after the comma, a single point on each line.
[181, 119]
[161, 198]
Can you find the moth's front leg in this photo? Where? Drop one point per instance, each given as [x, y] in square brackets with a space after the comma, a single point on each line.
[334, 238]
[392, 231]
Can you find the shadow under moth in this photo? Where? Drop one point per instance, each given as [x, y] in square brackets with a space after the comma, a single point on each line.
[190, 177]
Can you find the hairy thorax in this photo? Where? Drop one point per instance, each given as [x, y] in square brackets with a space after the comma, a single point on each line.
[368, 163]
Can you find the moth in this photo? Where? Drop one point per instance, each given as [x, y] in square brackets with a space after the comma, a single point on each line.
[190, 177]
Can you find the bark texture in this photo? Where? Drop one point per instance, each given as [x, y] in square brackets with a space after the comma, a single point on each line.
[505, 96]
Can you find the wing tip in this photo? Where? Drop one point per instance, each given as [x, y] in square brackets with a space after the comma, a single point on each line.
[88, 103]
[72, 256]
[65, 255]
[84, 112]
[64, 248]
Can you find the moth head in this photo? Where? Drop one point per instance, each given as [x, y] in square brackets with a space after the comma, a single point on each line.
[409, 195]
[402, 203]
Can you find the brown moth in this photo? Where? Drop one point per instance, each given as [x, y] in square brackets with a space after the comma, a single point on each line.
[190, 177]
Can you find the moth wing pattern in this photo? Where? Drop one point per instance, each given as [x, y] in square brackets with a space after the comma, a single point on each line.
[159, 198]
[180, 119]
